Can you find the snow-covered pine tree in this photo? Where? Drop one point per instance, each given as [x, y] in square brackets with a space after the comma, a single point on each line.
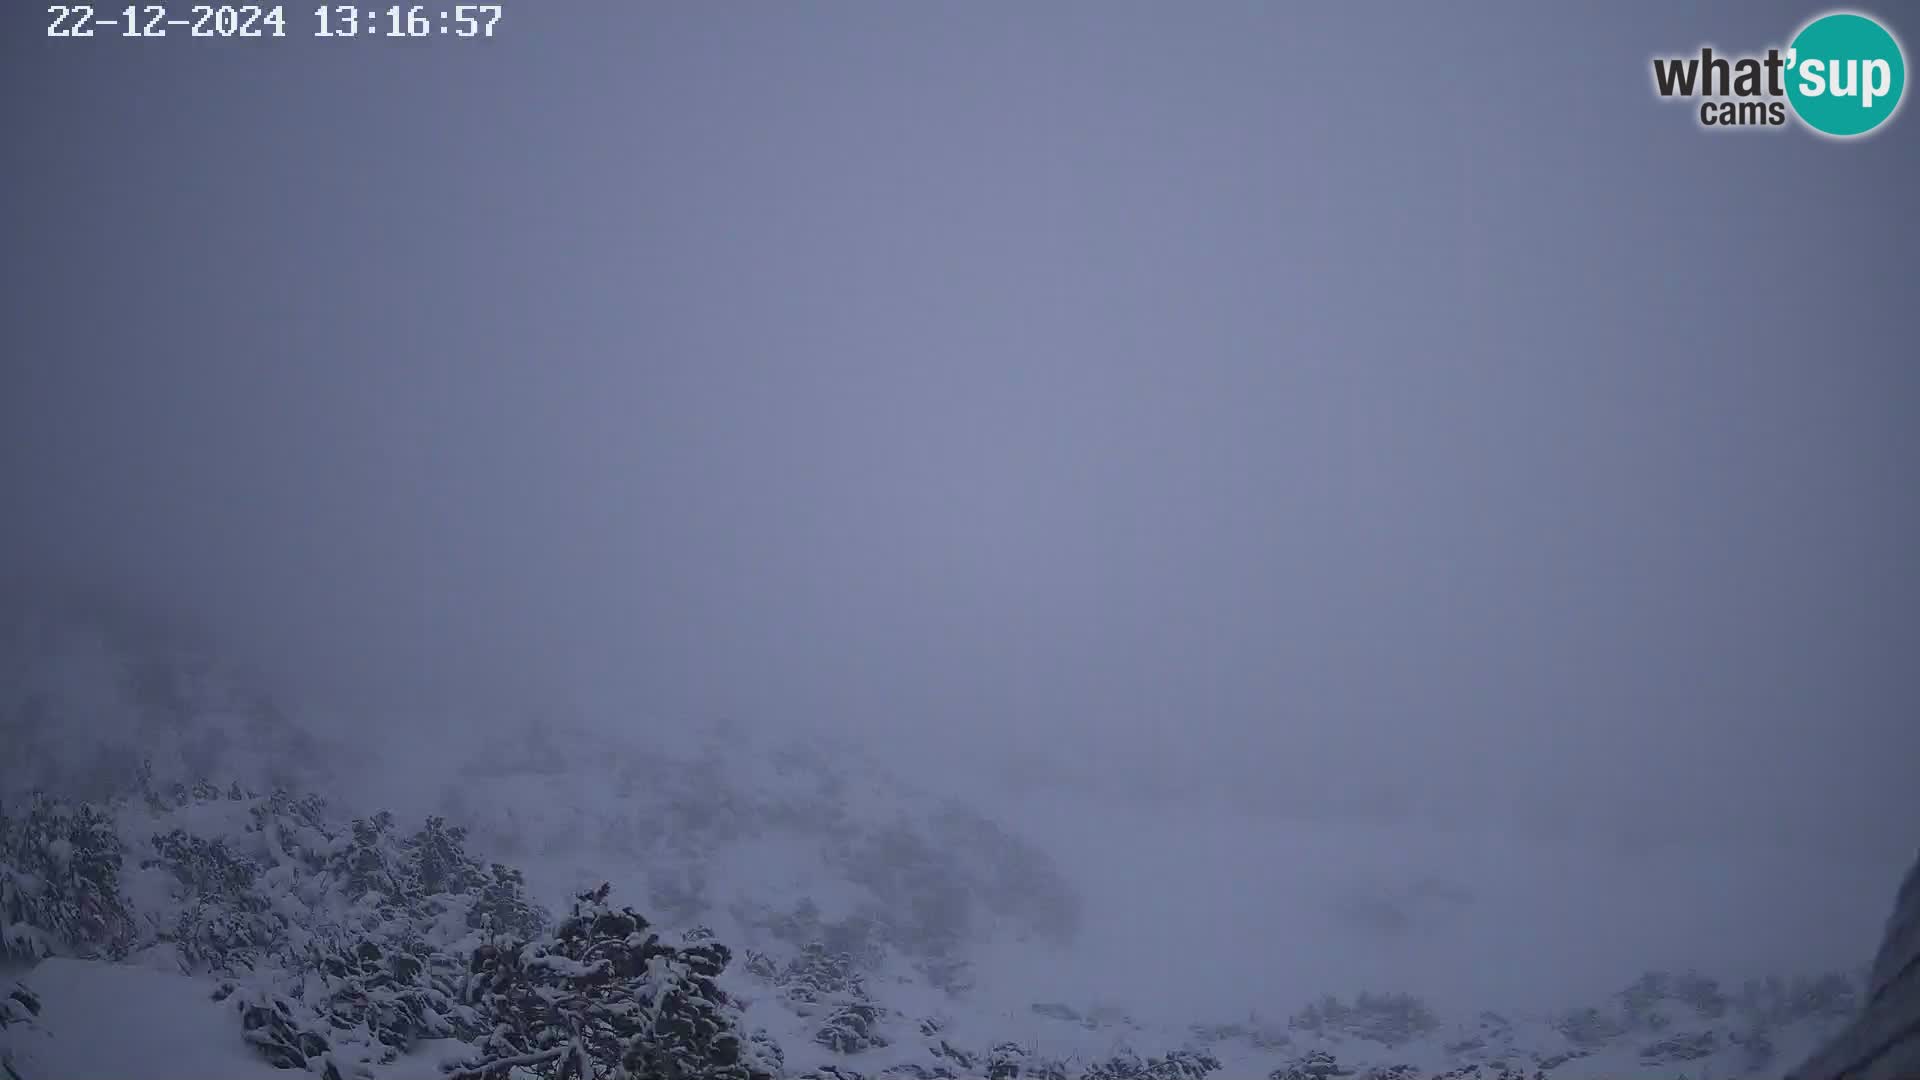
[388, 998]
[60, 883]
[370, 866]
[224, 923]
[604, 997]
[823, 978]
[440, 860]
[392, 973]
[501, 907]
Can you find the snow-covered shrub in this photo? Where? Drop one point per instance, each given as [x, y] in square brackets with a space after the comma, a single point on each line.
[355, 936]
[820, 977]
[1313, 1065]
[386, 999]
[224, 923]
[280, 1032]
[1321, 1065]
[852, 1028]
[205, 867]
[944, 1054]
[501, 906]
[1011, 1061]
[1179, 1065]
[369, 864]
[440, 860]
[60, 883]
[603, 994]
[820, 982]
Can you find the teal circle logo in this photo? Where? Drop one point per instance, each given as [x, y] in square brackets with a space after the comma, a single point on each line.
[1845, 74]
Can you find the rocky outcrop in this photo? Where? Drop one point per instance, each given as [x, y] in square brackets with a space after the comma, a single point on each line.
[1883, 1042]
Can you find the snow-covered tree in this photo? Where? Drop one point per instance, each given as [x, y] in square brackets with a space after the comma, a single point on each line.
[60, 883]
[390, 997]
[604, 996]
[224, 923]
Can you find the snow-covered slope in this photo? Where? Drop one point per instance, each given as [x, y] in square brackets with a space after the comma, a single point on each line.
[232, 890]
[102, 1019]
[125, 1020]
[878, 928]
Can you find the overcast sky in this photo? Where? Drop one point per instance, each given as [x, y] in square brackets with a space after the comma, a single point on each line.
[1392, 403]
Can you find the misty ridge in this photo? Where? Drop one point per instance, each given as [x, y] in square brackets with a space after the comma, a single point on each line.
[162, 803]
[952, 541]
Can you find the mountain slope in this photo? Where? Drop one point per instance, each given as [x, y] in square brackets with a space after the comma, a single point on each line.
[874, 928]
[270, 905]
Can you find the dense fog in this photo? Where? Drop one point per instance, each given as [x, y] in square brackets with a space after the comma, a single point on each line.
[1269, 457]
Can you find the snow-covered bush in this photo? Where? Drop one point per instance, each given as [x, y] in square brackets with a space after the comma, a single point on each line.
[604, 994]
[821, 977]
[351, 941]
[501, 905]
[223, 923]
[280, 1031]
[391, 997]
[1313, 1065]
[1011, 1061]
[852, 1028]
[1179, 1065]
[60, 883]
